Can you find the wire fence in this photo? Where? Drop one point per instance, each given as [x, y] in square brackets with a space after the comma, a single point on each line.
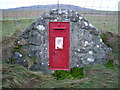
[22, 17]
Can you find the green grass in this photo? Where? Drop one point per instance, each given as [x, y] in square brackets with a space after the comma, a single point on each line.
[20, 14]
[17, 76]
[61, 75]
[109, 65]
[10, 26]
[104, 22]
[96, 76]
[76, 73]
[101, 76]
[100, 21]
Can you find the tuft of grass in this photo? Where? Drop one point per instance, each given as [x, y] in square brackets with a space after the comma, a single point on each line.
[11, 60]
[77, 72]
[18, 48]
[61, 74]
[110, 65]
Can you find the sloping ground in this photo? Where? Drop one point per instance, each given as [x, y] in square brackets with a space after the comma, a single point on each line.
[8, 44]
[16, 76]
[102, 77]
[98, 76]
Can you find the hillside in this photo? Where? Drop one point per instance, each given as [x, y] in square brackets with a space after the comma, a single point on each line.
[34, 11]
[49, 7]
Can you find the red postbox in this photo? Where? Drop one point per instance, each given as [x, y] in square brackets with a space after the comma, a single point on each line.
[59, 45]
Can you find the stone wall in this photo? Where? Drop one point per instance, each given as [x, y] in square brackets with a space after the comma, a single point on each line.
[87, 47]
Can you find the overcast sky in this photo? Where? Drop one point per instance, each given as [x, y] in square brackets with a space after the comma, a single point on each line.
[111, 5]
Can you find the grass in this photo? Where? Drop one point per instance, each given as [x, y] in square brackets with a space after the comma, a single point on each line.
[102, 77]
[101, 21]
[16, 76]
[76, 73]
[20, 14]
[61, 75]
[10, 26]
[104, 22]
[97, 76]
[109, 65]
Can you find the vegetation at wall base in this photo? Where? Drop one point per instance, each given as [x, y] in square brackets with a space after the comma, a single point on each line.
[61, 75]
[75, 73]
[110, 65]
[97, 76]
[17, 76]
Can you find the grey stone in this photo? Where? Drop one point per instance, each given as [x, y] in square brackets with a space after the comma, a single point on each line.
[86, 47]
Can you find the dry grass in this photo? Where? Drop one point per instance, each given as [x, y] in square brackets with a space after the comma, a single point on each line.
[97, 76]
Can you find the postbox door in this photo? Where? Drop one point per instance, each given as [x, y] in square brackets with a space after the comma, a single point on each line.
[59, 45]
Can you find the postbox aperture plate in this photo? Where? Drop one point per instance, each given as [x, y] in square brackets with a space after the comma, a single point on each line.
[59, 45]
[58, 42]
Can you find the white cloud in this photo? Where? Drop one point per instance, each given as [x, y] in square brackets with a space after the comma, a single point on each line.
[95, 4]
